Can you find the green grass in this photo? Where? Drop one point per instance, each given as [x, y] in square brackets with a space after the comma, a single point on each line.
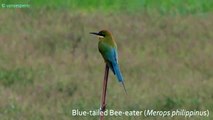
[172, 7]
[20, 76]
[50, 64]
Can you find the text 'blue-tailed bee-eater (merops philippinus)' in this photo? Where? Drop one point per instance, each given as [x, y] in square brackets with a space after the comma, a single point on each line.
[108, 49]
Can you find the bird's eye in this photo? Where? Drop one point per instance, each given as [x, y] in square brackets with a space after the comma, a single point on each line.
[102, 34]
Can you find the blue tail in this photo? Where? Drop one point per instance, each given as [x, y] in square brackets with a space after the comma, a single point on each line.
[119, 75]
[118, 72]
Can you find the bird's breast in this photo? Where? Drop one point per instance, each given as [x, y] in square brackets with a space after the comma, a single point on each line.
[103, 47]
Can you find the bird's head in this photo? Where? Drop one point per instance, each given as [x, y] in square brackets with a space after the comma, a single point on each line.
[102, 34]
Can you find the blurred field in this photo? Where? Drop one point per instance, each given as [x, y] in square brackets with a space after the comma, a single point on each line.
[172, 7]
[49, 63]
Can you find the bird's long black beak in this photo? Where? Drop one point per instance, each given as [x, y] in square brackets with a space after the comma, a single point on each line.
[94, 33]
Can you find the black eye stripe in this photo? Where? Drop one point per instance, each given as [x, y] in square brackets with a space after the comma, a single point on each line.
[100, 33]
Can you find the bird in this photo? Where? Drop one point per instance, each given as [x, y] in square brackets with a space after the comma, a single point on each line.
[108, 49]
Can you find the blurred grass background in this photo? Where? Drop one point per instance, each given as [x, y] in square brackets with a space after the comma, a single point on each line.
[49, 63]
[149, 6]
